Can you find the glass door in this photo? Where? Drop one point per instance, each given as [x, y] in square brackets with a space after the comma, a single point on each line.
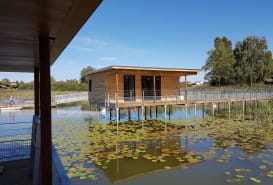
[129, 88]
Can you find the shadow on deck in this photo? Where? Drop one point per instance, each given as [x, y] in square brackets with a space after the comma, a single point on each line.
[16, 173]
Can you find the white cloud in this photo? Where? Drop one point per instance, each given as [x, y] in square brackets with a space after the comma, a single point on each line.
[108, 59]
[87, 49]
[88, 40]
[104, 47]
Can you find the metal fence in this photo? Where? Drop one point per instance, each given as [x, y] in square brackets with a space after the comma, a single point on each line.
[184, 96]
[14, 149]
[58, 99]
[15, 140]
[67, 98]
[229, 94]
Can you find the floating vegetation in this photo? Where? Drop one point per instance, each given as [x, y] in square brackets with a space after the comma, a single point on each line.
[255, 180]
[89, 148]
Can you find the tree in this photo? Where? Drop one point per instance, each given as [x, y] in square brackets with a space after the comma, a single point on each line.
[220, 63]
[52, 80]
[5, 81]
[253, 60]
[83, 78]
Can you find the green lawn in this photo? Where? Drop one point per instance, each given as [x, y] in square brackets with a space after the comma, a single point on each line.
[26, 94]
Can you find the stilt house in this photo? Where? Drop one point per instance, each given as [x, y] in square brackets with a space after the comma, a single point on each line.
[124, 86]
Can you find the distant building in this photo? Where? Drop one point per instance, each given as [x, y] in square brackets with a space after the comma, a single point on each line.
[13, 85]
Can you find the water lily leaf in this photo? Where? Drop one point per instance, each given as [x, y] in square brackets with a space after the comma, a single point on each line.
[70, 175]
[242, 170]
[255, 180]
[269, 175]
[230, 180]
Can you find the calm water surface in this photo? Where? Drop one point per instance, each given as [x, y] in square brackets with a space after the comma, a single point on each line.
[153, 152]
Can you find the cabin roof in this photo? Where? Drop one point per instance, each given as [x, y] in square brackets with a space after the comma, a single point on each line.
[23, 22]
[134, 68]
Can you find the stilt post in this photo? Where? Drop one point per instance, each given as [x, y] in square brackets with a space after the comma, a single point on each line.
[117, 116]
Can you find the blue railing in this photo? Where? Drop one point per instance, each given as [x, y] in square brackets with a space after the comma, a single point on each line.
[59, 174]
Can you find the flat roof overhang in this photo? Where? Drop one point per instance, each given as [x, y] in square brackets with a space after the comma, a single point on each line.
[22, 22]
[133, 69]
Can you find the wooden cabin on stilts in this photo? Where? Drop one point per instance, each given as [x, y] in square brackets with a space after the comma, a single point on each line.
[118, 87]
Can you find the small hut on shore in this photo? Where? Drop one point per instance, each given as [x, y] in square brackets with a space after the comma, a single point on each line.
[124, 86]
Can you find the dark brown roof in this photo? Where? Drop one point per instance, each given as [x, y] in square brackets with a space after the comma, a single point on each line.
[23, 22]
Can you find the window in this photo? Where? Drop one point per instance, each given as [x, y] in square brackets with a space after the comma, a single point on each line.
[129, 88]
[90, 85]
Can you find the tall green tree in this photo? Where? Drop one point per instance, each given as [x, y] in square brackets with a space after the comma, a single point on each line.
[220, 63]
[253, 60]
[5, 81]
[83, 78]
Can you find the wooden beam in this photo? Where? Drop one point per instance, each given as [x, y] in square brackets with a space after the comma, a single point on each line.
[37, 90]
[45, 111]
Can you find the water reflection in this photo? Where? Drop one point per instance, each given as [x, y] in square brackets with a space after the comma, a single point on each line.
[165, 151]
[152, 146]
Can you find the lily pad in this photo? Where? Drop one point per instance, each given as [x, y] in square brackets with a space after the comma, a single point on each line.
[255, 180]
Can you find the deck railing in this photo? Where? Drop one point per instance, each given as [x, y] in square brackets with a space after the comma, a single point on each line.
[120, 97]
[55, 99]
[14, 140]
[186, 96]
[59, 174]
[229, 94]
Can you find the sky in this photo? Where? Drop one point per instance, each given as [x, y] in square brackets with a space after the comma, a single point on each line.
[158, 33]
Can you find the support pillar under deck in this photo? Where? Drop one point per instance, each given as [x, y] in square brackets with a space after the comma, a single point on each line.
[117, 118]
[45, 111]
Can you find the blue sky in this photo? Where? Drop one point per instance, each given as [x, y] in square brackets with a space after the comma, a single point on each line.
[159, 33]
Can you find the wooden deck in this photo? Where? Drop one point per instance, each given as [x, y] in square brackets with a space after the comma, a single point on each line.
[16, 173]
[161, 103]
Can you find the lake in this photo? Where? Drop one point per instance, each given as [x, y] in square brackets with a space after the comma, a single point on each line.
[179, 149]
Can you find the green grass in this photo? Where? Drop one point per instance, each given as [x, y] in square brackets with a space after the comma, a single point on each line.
[26, 94]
